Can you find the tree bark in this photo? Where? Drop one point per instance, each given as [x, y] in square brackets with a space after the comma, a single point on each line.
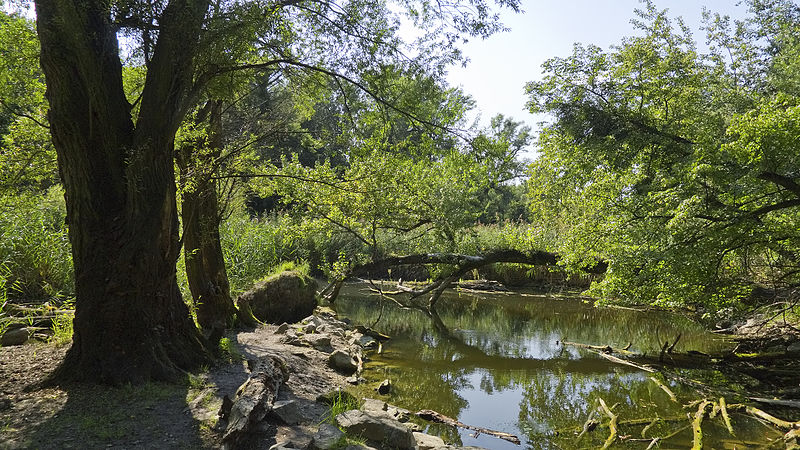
[205, 263]
[130, 324]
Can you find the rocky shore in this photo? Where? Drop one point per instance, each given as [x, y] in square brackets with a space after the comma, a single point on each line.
[321, 355]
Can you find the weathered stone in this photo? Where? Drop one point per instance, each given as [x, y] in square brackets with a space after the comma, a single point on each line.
[16, 336]
[284, 297]
[292, 437]
[384, 387]
[288, 411]
[283, 328]
[354, 380]
[380, 407]
[343, 362]
[376, 428]
[328, 436]
[367, 342]
[359, 447]
[428, 442]
[309, 328]
[321, 342]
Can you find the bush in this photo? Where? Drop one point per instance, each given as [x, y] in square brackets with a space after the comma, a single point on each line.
[34, 246]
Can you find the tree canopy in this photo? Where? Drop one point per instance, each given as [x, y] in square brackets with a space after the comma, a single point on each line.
[678, 167]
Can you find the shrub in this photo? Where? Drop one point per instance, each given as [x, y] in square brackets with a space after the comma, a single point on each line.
[34, 246]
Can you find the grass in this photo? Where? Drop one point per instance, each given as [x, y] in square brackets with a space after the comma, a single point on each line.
[341, 403]
[228, 351]
[62, 330]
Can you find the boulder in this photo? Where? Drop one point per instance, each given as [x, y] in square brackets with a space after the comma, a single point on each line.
[343, 362]
[381, 408]
[428, 442]
[16, 336]
[321, 342]
[292, 438]
[284, 297]
[328, 436]
[376, 428]
[288, 411]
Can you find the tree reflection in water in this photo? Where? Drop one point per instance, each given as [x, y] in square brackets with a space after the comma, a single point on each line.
[497, 362]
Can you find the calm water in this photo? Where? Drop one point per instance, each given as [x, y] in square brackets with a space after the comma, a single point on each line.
[496, 361]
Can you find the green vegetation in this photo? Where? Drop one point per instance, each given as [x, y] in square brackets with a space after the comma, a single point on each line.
[229, 152]
[339, 404]
[678, 168]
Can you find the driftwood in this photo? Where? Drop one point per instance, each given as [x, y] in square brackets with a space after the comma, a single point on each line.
[697, 430]
[254, 399]
[665, 388]
[612, 424]
[434, 416]
[605, 352]
[777, 402]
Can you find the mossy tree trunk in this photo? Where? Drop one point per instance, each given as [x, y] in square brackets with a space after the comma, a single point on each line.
[131, 324]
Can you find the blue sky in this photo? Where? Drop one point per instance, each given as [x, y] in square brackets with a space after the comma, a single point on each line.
[501, 65]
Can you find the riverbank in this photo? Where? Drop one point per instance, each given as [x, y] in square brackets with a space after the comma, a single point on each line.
[181, 416]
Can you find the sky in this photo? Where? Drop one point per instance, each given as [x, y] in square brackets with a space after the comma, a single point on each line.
[500, 66]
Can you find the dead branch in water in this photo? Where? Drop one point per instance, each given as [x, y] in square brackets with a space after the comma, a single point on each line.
[433, 416]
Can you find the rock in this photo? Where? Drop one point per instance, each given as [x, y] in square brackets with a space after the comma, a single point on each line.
[380, 407]
[367, 342]
[283, 328]
[284, 297]
[794, 347]
[321, 342]
[16, 336]
[354, 380]
[343, 362]
[359, 447]
[376, 428]
[309, 328]
[288, 411]
[293, 437]
[427, 442]
[328, 436]
[337, 395]
[384, 387]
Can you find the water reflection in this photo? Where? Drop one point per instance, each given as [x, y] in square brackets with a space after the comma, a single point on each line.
[497, 361]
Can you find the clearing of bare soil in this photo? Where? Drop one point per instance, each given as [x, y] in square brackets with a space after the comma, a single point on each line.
[154, 415]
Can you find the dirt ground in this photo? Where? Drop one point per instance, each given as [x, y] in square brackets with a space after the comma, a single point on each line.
[155, 415]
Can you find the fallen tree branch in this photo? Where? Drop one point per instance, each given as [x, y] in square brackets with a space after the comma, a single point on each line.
[612, 424]
[254, 399]
[723, 407]
[697, 430]
[665, 388]
[777, 402]
[433, 416]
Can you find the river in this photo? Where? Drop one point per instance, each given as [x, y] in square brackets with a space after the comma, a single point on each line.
[497, 361]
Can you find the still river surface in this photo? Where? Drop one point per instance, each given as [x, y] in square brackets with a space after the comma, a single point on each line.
[496, 360]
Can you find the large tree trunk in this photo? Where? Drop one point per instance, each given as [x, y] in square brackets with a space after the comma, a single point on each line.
[205, 263]
[131, 324]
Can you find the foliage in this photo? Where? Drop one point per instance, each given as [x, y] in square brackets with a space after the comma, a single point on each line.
[34, 246]
[339, 404]
[62, 330]
[679, 169]
[26, 153]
